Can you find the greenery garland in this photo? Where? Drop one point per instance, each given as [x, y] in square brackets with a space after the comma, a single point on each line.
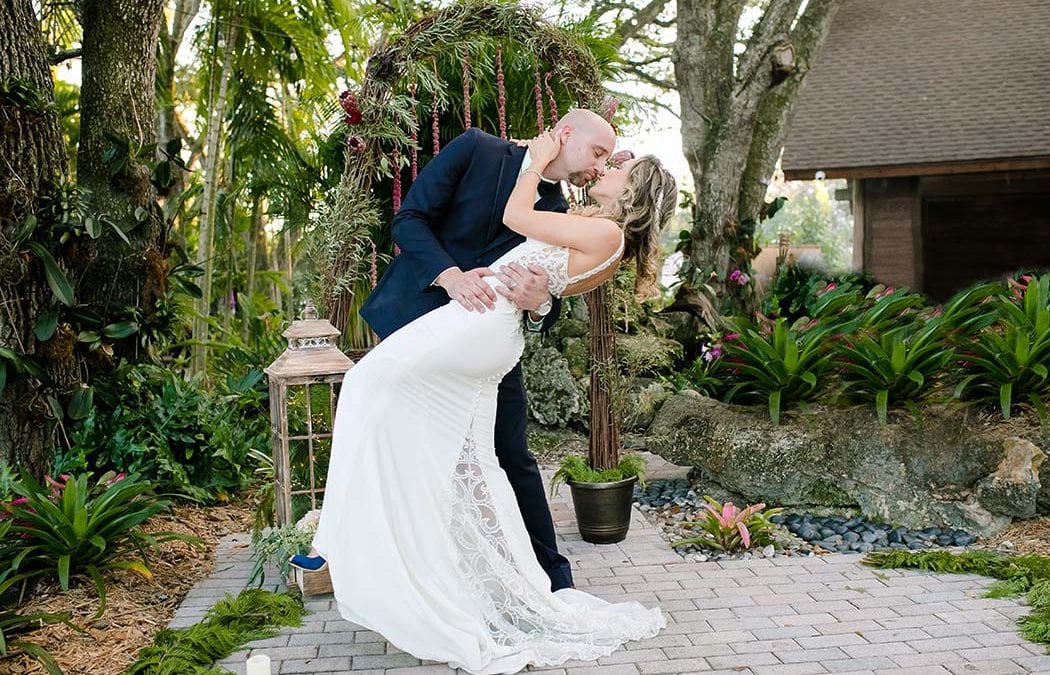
[234, 621]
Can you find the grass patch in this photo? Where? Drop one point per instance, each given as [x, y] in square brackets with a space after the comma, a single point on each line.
[254, 614]
[1027, 575]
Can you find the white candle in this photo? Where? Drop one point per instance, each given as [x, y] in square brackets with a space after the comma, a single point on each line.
[259, 665]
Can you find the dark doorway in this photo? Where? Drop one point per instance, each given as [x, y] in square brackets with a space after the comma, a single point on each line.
[971, 238]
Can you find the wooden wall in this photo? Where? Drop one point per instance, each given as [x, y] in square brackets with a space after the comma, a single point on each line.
[889, 225]
[939, 234]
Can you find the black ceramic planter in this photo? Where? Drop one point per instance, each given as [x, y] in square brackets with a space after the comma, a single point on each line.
[603, 510]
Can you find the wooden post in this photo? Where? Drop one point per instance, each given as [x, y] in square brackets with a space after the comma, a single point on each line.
[605, 424]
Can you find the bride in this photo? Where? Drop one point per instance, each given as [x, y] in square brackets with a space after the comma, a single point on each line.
[420, 527]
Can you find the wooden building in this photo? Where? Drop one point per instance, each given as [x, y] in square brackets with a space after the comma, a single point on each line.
[938, 113]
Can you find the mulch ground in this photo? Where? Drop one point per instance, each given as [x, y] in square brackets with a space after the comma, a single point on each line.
[1022, 536]
[137, 608]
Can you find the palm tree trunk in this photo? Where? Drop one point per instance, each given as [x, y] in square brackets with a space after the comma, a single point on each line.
[229, 302]
[255, 239]
[290, 309]
[34, 160]
[169, 127]
[275, 266]
[205, 245]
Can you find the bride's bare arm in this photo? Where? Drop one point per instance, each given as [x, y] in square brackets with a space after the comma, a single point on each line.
[591, 236]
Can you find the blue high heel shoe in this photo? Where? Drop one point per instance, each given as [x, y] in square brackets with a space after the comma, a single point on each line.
[308, 563]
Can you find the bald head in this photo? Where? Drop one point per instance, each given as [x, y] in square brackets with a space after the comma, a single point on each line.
[587, 142]
[586, 120]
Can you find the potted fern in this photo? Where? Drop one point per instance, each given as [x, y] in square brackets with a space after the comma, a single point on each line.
[602, 483]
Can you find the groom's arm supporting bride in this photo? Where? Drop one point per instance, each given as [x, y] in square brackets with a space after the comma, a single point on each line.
[425, 207]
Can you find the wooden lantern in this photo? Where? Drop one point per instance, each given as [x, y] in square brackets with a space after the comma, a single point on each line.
[304, 383]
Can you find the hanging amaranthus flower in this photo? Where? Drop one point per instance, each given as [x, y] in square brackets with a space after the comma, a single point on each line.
[550, 98]
[466, 89]
[395, 159]
[539, 97]
[435, 127]
[415, 133]
[502, 94]
[374, 272]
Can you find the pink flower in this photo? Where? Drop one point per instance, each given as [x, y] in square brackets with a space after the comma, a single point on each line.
[355, 144]
[745, 536]
[620, 157]
[739, 277]
[349, 103]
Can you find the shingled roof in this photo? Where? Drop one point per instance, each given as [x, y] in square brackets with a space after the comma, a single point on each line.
[910, 87]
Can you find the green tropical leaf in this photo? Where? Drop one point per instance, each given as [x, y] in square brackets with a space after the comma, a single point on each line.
[46, 324]
[882, 404]
[93, 227]
[81, 402]
[121, 329]
[26, 231]
[56, 278]
[63, 570]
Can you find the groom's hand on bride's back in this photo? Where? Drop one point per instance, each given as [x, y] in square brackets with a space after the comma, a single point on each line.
[468, 288]
[526, 288]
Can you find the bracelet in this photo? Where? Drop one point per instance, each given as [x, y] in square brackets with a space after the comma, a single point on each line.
[538, 174]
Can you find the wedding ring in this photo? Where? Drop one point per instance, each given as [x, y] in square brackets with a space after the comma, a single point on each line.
[511, 285]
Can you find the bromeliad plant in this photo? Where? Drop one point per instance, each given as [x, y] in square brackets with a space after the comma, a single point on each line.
[891, 365]
[729, 528]
[12, 624]
[780, 364]
[1011, 360]
[76, 526]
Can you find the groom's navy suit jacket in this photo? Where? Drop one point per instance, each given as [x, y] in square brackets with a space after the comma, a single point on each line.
[452, 216]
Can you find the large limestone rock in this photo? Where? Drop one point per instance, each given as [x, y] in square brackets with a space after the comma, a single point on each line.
[950, 467]
[554, 397]
[1013, 489]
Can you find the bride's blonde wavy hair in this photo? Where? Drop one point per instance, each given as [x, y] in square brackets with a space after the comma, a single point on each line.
[642, 210]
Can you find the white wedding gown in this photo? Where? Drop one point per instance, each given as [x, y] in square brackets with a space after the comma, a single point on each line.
[422, 533]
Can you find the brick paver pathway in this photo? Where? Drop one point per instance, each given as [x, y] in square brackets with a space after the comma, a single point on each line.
[782, 616]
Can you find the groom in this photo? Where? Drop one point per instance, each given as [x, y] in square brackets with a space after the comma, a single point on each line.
[449, 229]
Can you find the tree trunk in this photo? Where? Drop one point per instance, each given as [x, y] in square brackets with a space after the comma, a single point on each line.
[205, 244]
[290, 309]
[604, 451]
[256, 239]
[168, 125]
[34, 166]
[275, 266]
[117, 101]
[230, 301]
[735, 113]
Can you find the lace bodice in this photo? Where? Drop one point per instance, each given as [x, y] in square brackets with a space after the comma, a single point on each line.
[555, 260]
